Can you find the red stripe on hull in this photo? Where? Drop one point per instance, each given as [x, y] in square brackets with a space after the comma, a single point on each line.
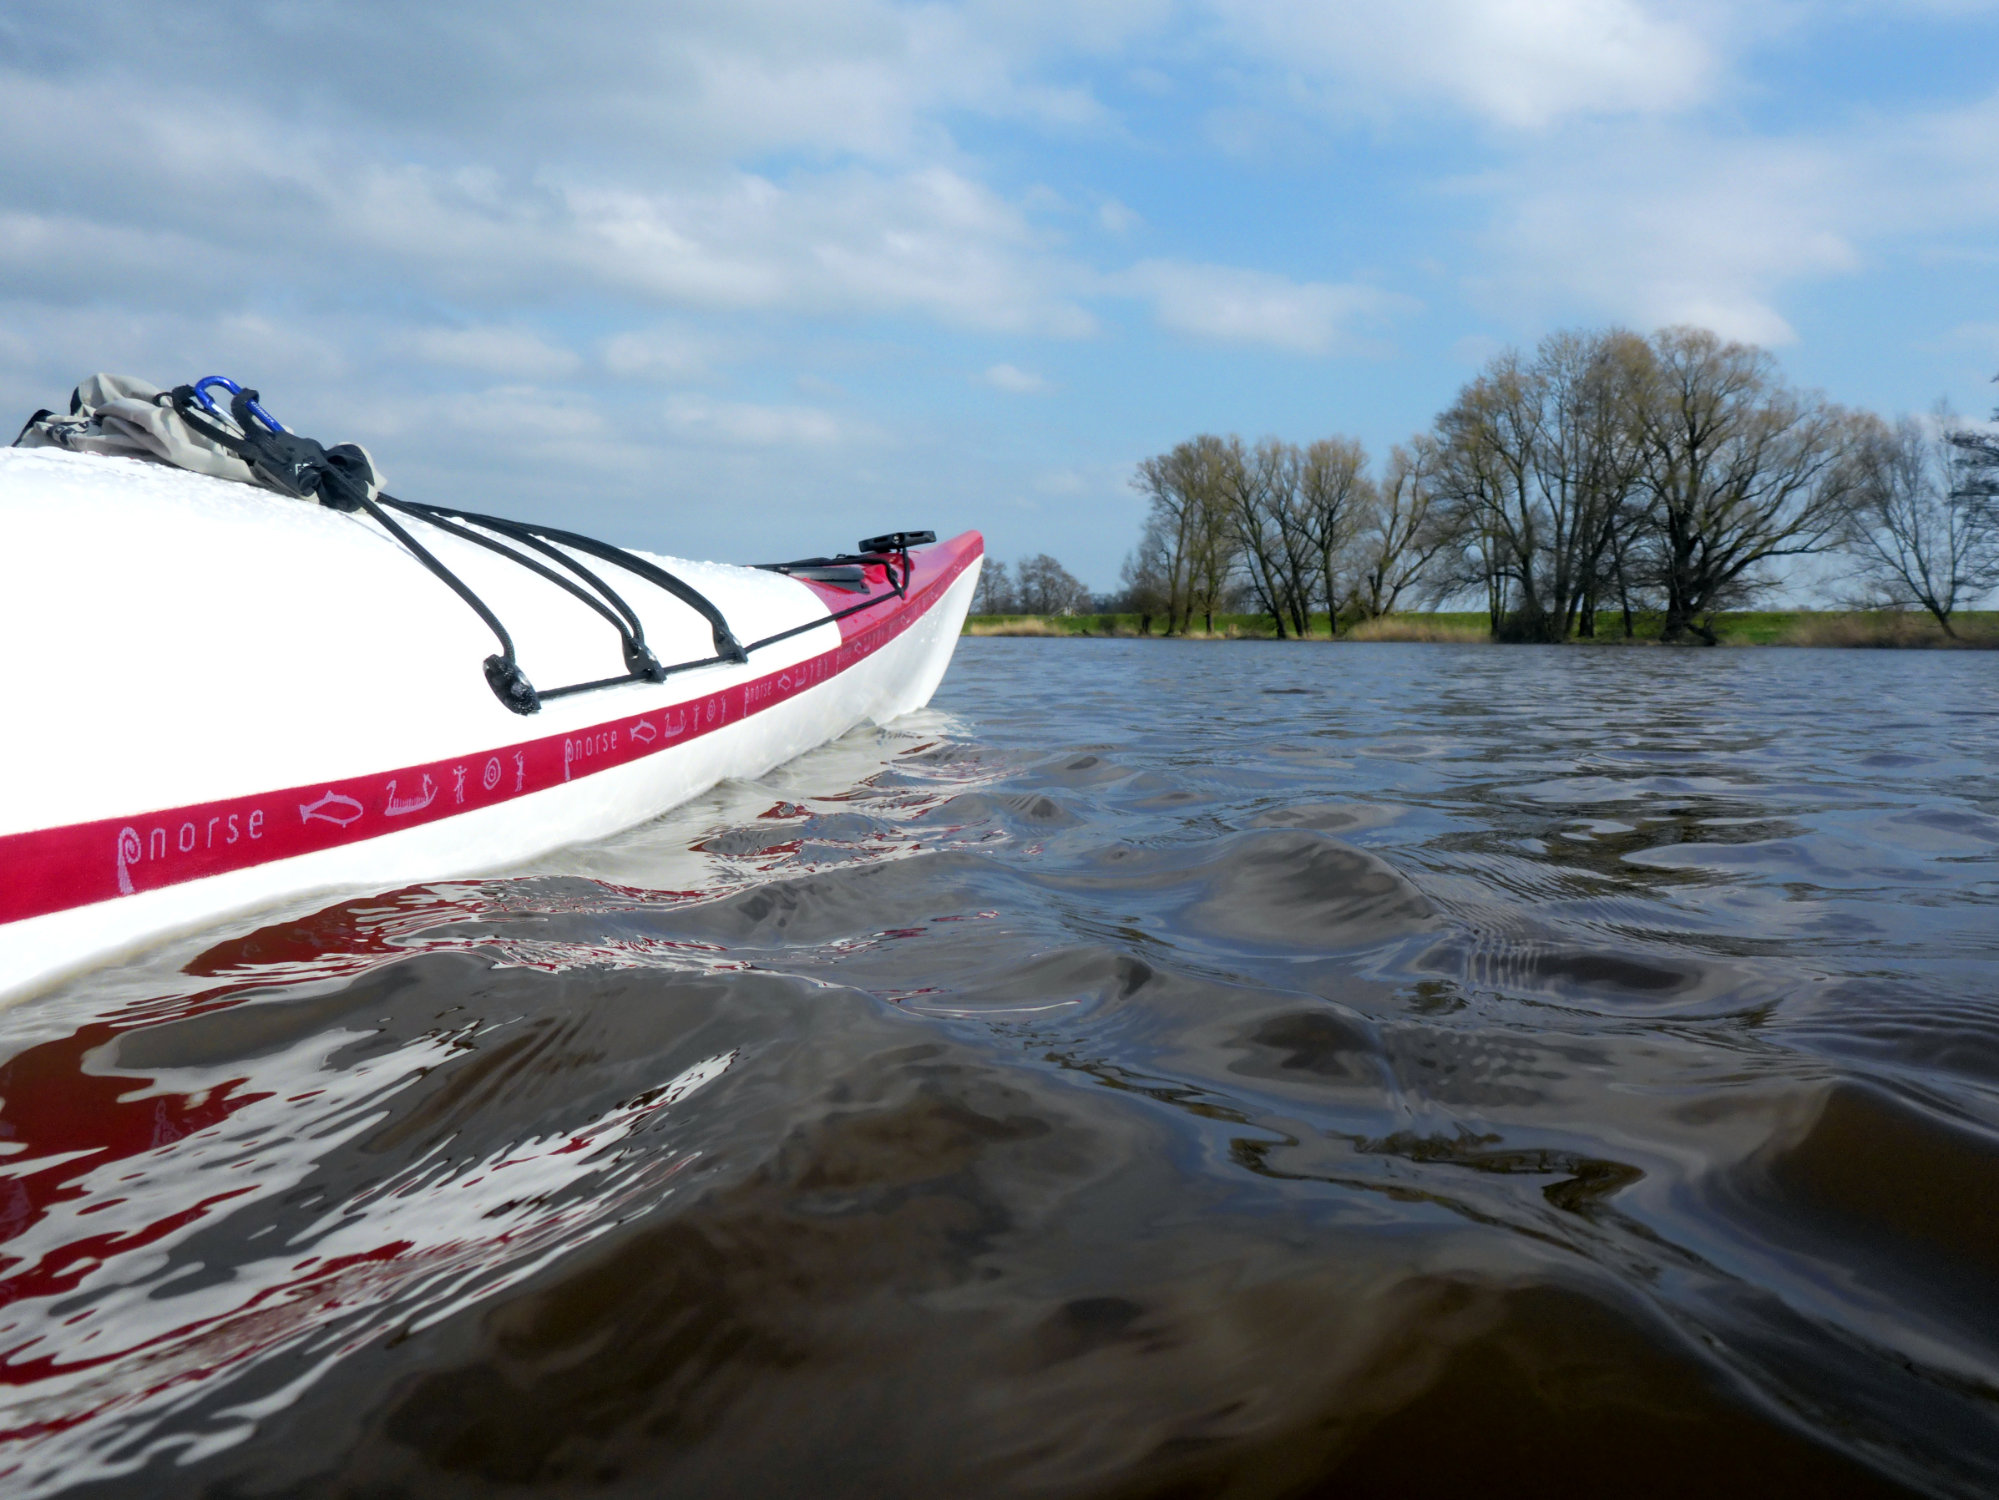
[55, 869]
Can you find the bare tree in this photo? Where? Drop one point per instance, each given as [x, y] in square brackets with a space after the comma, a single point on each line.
[994, 595]
[1606, 470]
[1539, 462]
[1978, 464]
[1045, 587]
[1923, 533]
[1292, 515]
[1475, 557]
[1171, 484]
[1190, 521]
[1739, 470]
[1146, 577]
[1400, 531]
[1335, 497]
[1487, 439]
[1590, 465]
[1260, 487]
[1213, 561]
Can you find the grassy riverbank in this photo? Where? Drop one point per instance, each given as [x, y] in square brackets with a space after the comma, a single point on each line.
[1875, 628]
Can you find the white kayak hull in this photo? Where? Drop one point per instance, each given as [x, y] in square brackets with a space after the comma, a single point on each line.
[296, 706]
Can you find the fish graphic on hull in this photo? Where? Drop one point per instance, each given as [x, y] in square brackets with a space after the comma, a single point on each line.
[332, 808]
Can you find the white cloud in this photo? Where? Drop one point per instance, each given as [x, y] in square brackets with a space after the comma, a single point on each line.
[1951, 8]
[516, 418]
[15, 352]
[292, 361]
[1671, 230]
[1065, 482]
[1004, 377]
[617, 82]
[1117, 218]
[64, 255]
[1516, 63]
[1981, 337]
[1475, 349]
[930, 242]
[749, 425]
[1233, 305]
[660, 354]
[517, 352]
[1681, 222]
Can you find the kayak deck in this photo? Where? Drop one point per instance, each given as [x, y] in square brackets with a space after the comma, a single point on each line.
[470, 791]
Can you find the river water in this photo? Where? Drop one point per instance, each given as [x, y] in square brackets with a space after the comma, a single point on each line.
[1159, 1069]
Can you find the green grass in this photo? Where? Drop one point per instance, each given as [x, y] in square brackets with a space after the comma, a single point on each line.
[1226, 626]
[1740, 628]
[1879, 627]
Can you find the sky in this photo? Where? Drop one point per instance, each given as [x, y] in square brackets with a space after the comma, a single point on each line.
[752, 279]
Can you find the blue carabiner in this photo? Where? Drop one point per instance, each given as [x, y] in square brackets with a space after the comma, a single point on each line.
[201, 394]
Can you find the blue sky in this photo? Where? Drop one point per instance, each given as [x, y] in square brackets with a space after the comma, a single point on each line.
[752, 279]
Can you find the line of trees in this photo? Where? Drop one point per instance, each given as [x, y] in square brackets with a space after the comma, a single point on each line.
[1037, 585]
[1604, 473]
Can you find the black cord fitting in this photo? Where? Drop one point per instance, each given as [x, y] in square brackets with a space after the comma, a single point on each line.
[642, 664]
[511, 686]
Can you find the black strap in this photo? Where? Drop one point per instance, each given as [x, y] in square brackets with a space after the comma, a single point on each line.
[503, 674]
[639, 661]
[341, 478]
[870, 554]
[338, 477]
[726, 647]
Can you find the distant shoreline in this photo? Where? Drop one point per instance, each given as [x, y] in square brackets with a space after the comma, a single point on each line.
[1858, 629]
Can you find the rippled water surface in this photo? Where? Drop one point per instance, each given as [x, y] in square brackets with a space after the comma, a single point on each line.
[1159, 1069]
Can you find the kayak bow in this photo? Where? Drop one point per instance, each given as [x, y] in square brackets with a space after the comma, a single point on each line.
[242, 699]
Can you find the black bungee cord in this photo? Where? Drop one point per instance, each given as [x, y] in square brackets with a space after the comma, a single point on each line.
[342, 478]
